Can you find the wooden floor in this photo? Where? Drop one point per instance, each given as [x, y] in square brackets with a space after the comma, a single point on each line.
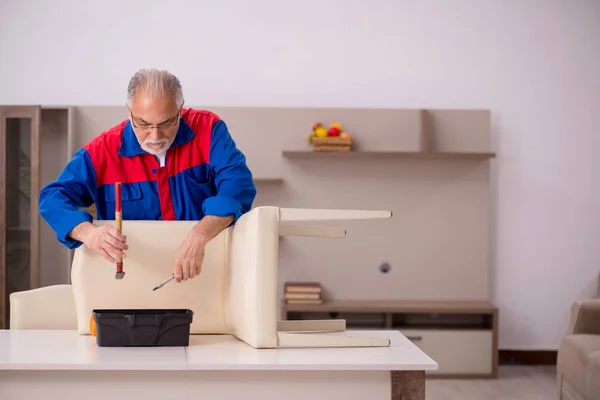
[513, 383]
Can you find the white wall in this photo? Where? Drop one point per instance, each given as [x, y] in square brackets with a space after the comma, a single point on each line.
[535, 64]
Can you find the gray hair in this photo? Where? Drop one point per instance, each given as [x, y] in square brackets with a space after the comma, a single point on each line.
[155, 81]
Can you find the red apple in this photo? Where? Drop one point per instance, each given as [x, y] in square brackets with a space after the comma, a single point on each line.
[334, 131]
[317, 126]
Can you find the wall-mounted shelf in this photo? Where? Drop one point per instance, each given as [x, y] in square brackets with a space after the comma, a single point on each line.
[389, 154]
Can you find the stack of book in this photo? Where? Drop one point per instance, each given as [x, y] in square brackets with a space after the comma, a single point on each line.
[303, 293]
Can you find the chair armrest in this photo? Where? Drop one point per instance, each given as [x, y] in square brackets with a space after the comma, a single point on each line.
[585, 317]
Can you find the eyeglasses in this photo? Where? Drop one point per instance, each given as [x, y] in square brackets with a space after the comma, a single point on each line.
[169, 123]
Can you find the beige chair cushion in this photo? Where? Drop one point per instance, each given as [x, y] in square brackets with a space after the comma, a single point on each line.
[579, 363]
[50, 307]
[150, 260]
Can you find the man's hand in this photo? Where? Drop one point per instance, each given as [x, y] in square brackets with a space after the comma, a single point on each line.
[105, 240]
[188, 261]
[190, 255]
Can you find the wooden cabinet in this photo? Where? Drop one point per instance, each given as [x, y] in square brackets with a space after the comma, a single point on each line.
[34, 148]
[460, 352]
[19, 193]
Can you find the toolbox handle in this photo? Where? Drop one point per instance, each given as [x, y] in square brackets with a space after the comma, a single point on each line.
[133, 320]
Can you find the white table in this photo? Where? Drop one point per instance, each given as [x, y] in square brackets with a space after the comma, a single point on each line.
[63, 365]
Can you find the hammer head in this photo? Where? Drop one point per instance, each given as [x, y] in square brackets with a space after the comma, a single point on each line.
[119, 275]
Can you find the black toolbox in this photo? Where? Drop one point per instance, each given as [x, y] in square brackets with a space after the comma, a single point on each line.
[142, 327]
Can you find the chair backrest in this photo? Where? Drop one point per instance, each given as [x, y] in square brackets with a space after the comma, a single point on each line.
[149, 261]
[48, 307]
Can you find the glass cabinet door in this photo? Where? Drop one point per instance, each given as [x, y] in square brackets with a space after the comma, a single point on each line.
[19, 193]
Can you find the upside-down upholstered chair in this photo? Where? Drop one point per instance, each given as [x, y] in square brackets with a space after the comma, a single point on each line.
[236, 292]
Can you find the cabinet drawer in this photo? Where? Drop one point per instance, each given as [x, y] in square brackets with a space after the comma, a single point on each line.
[464, 352]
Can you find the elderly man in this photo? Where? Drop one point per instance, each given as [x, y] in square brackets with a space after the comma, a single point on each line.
[174, 163]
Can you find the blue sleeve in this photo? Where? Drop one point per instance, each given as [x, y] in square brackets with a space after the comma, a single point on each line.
[233, 179]
[61, 200]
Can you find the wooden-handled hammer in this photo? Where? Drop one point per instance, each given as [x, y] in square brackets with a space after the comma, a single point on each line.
[119, 221]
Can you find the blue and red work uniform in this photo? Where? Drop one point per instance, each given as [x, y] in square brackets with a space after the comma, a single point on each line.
[204, 174]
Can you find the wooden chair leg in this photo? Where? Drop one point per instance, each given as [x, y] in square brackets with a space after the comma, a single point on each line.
[328, 325]
[296, 340]
[308, 214]
[312, 231]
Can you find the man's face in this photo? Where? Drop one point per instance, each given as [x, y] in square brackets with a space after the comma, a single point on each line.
[155, 121]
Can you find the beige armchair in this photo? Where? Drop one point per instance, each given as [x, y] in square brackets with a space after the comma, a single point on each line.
[578, 364]
[236, 292]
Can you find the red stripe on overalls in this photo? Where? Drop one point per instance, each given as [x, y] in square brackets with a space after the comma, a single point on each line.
[164, 194]
[197, 150]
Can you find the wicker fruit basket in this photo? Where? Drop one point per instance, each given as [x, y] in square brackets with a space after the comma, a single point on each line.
[332, 139]
[332, 143]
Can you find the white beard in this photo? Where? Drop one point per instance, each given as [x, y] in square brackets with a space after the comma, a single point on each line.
[164, 146]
